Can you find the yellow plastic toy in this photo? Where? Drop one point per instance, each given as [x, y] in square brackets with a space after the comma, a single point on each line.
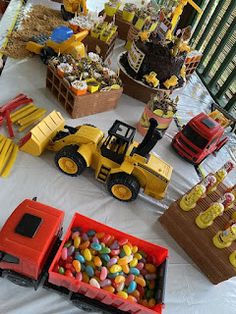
[225, 238]
[206, 218]
[152, 79]
[8, 154]
[72, 7]
[122, 164]
[189, 201]
[171, 82]
[178, 12]
[49, 48]
[232, 258]
[220, 118]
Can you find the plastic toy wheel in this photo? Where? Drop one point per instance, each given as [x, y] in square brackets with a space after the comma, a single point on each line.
[19, 280]
[123, 187]
[47, 53]
[69, 161]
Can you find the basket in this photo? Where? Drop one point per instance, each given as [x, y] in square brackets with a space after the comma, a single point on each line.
[114, 301]
[104, 49]
[83, 105]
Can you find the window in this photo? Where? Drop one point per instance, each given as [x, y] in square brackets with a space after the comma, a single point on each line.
[194, 137]
[8, 258]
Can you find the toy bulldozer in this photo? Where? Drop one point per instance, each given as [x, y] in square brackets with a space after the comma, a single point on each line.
[122, 164]
[62, 40]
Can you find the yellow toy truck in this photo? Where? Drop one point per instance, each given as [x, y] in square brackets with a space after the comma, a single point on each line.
[62, 40]
[122, 164]
[72, 7]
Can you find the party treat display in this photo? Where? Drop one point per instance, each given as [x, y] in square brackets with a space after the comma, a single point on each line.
[124, 165]
[97, 267]
[161, 108]
[204, 226]
[200, 137]
[85, 87]
[62, 40]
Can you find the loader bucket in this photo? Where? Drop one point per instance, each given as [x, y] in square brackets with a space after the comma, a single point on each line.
[37, 140]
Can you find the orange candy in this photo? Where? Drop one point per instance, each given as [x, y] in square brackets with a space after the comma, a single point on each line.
[132, 299]
[109, 288]
[97, 261]
[151, 268]
[85, 277]
[140, 281]
[125, 269]
[152, 302]
[84, 245]
[100, 235]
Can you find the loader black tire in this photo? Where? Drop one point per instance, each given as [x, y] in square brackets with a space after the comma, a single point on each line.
[47, 53]
[123, 186]
[70, 153]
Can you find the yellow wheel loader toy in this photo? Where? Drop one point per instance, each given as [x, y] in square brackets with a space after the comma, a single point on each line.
[124, 165]
[72, 7]
[62, 40]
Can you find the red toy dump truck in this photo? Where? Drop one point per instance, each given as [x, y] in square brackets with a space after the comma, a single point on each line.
[31, 252]
[200, 137]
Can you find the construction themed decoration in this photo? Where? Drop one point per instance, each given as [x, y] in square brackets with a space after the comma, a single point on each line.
[122, 164]
[189, 200]
[62, 40]
[84, 87]
[221, 174]
[200, 137]
[206, 219]
[161, 108]
[72, 7]
[209, 181]
[225, 238]
[208, 231]
[111, 7]
[8, 155]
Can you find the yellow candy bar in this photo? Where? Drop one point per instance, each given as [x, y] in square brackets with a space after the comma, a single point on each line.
[23, 114]
[22, 128]
[15, 113]
[6, 157]
[37, 114]
[11, 162]
[3, 141]
[3, 154]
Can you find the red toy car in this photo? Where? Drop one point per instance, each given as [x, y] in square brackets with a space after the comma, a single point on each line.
[200, 137]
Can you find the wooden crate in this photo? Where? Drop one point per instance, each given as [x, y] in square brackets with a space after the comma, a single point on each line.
[123, 26]
[84, 105]
[196, 242]
[138, 90]
[106, 49]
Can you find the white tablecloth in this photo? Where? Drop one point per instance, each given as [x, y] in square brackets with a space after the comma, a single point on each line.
[188, 291]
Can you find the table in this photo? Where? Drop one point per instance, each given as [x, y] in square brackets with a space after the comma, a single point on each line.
[188, 291]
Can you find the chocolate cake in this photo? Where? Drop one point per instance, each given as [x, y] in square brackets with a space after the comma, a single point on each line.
[153, 55]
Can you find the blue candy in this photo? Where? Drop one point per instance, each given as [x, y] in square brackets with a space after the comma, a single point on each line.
[134, 271]
[96, 246]
[79, 257]
[132, 287]
[105, 257]
[89, 270]
[91, 233]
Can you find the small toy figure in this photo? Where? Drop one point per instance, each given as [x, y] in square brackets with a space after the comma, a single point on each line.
[225, 238]
[232, 258]
[221, 175]
[206, 218]
[208, 182]
[189, 200]
[152, 79]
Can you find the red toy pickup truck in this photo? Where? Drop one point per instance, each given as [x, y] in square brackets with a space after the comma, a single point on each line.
[200, 137]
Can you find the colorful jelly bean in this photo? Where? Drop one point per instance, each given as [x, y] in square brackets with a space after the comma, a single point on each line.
[112, 276]
[84, 245]
[105, 283]
[115, 268]
[132, 299]
[140, 266]
[140, 281]
[68, 273]
[89, 270]
[152, 302]
[85, 277]
[93, 282]
[70, 250]
[97, 261]
[85, 236]
[106, 238]
[128, 280]
[115, 245]
[123, 261]
[96, 246]
[134, 249]
[151, 268]
[134, 271]
[75, 234]
[105, 257]
[79, 276]
[61, 270]
[120, 286]
[122, 294]
[77, 241]
[123, 242]
[105, 250]
[74, 229]
[68, 244]
[103, 274]
[125, 269]
[79, 257]
[64, 253]
[77, 265]
[87, 255]
[115, 252]
[132, 287]
[109, 288]
[100, 235]
[119, 279]
[91, 233]
[112, 261]
[127, 250]
[133, 263]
